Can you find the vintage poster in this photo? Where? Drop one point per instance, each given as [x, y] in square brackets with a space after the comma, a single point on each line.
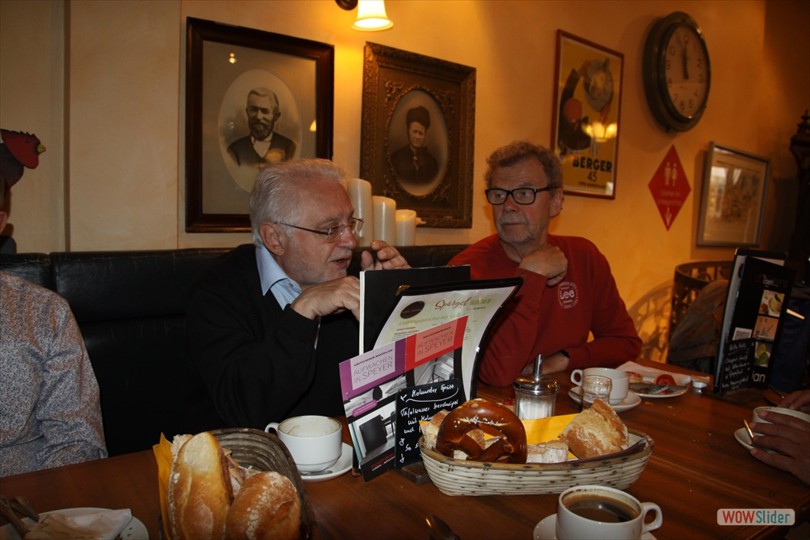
[585, 131]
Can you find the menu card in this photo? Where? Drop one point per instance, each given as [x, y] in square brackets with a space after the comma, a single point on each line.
[380, 289]
[756, 305]
[419, 308]
[388, 388]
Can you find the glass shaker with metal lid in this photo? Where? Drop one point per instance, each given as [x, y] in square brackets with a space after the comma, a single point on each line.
[535, 395]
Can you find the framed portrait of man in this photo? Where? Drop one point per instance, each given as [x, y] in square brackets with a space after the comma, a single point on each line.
[417, 133]
[253, 98]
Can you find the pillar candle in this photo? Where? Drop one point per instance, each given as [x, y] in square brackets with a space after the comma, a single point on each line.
[406, 227]
[359, 191]
[384, 219]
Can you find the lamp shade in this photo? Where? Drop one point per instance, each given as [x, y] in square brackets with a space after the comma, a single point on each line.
[371, 16]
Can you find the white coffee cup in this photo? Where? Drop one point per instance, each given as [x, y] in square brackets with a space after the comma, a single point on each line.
[780, 410]
[603, 513]
[315, 442]
[620, 379]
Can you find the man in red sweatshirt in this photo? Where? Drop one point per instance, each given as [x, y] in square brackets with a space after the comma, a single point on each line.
[568, 309]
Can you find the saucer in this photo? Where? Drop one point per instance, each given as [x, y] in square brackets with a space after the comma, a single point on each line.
[632, 399]
[547, 530]
[743, 439]
[341, 466]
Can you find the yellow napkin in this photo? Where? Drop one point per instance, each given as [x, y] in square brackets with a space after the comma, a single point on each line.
[163, 456]
[540, 430]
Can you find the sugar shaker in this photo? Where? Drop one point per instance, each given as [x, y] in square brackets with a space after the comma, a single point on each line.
[535, 395]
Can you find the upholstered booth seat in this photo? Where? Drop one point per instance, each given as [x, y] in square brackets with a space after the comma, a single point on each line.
[130, 307]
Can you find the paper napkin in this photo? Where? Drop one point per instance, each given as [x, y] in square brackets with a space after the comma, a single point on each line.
[94, 524]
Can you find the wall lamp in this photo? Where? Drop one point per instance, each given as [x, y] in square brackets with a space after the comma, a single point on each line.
[371, 14]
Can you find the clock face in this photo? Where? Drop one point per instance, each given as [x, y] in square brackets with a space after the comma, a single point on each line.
[686, 71]
[677, 72]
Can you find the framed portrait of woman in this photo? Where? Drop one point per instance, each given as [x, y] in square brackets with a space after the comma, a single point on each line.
[417, 133]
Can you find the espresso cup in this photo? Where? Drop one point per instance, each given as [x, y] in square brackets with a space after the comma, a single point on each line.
[603, 513]
[780, 410]
[620, 380]
[315, 442]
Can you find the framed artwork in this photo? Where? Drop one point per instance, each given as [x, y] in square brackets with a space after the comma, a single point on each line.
[732, 203]
[417, 133]
[253, 98]
[587, 107]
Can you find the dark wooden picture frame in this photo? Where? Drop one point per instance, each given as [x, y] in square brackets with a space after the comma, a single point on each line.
[732, 201]
[226, 66]
[404, 90]
[587, 115]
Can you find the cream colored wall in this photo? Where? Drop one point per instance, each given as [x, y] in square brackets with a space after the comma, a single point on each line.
[125, 110]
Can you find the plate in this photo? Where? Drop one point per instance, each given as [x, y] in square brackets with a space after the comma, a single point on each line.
[135, 529]
[547, 530]
[678, 391]
[341, 466]
[629, 402]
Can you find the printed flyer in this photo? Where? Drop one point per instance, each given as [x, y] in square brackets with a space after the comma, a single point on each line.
[373, 382]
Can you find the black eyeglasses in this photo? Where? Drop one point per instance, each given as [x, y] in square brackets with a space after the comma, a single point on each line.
[524, 195]
[332, 234]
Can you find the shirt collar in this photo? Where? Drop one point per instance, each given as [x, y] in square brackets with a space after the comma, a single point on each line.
[274, 279]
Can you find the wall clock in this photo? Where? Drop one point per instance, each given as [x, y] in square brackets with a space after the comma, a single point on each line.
[677, 72]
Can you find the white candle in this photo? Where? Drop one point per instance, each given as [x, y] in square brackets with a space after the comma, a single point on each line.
[406, 227]
[359, 191]
[384, 219]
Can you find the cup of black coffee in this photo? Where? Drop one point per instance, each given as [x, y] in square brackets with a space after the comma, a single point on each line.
[603, 513]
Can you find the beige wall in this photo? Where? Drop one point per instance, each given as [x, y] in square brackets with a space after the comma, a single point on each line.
[123, 82]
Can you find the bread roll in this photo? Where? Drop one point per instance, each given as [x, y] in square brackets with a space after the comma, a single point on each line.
[199, 490]
[267, 506]
[547, 452]
[595, 432]
[431, 429]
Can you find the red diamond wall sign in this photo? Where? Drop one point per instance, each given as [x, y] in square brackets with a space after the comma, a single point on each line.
[669, 187]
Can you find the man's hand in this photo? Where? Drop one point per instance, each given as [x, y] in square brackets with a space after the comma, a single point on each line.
[387, 257]
[788, 435]
[548, 261]
[329, 297]
[799, 400]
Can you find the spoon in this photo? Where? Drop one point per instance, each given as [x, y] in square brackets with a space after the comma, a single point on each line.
[439, 530]
[315, 473]
[750, 433]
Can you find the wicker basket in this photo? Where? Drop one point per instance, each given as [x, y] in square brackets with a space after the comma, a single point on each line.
[256, 449]
[458, 477]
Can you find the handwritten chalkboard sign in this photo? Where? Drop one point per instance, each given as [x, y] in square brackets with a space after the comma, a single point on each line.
[737, 367]
[417, 403]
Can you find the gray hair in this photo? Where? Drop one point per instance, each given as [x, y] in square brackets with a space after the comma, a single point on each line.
[274, 197]
[264, 92]
[518, 151]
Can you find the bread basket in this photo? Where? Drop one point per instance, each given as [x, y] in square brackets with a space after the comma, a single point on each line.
[459, 477]
[256, 449]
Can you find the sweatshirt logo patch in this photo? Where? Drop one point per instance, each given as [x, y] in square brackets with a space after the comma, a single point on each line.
[567, 294]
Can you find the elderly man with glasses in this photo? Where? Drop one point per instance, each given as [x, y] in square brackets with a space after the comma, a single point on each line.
[568, 291]
[269, 323]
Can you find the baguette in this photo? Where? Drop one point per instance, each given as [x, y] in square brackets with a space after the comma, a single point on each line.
[200, 491]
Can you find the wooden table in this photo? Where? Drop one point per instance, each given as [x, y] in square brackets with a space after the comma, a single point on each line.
[696, 468]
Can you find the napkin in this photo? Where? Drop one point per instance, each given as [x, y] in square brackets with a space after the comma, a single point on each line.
[649, 374]
[90, 525]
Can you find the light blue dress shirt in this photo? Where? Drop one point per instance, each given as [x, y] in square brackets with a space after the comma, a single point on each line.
[273, 278]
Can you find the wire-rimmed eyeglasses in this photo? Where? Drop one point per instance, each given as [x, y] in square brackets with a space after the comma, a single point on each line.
[524, 195]
[355, 225]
